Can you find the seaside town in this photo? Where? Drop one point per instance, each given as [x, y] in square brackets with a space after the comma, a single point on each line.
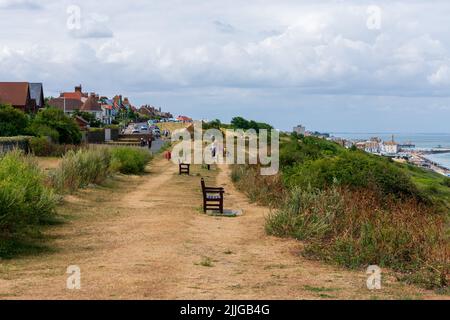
[401, 152]
[91, 111]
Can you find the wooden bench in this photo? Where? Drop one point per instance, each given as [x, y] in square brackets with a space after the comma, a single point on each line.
[212, 198]
[184, 168]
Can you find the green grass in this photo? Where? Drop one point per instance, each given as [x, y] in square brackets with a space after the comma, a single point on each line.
[26, 203]
[355, 209]
[129, 160]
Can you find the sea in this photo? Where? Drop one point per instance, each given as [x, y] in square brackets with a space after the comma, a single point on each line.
[420, 140]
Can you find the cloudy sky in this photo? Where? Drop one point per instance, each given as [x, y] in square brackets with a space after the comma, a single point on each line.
[340, 66]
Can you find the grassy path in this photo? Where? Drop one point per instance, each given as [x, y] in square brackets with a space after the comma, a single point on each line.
[145, 238]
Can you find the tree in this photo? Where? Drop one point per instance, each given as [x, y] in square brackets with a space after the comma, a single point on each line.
[55, 119]
[240, 123]
[214, 124]
[13, 122]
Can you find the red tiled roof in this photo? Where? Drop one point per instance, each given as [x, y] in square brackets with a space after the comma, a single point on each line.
[14, 93]
[91, 104]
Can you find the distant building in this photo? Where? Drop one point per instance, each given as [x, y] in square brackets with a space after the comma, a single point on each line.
[69, 106]
[184, 119]
[300, 130]
[390, 147]
[17, 94]
[92, 106]
[77, 94]
[372, 146]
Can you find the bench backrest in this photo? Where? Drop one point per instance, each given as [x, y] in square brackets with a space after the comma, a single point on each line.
[203, 185]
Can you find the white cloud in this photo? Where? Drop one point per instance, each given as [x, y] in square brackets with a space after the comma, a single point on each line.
[259, 46]
[20, 4]
[441, 77]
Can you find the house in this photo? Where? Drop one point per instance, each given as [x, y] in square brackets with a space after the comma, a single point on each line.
[69, 106]
[390, 147]
[17, 94]
[154, 112]
[92, 106]
[372, 146]
[37, 93]
[77, 94]
[184, 119]
[300, 130]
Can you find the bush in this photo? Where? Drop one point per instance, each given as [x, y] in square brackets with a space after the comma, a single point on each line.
[129, 160]
[51, 120]
[25, 201]
[80, 168]
[43, 147]
[41, 130]
[355, 170]
[12, 121]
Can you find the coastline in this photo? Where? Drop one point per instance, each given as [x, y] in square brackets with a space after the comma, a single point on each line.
[435, 166]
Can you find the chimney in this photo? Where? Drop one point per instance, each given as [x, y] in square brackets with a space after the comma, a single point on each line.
[78, 88]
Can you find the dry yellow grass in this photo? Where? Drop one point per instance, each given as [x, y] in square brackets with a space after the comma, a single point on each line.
[172, 126]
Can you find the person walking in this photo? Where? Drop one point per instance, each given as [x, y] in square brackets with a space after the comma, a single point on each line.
[149, 143]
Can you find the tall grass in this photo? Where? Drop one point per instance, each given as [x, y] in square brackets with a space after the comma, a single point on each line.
[80, 168]
[93, 165]
[265, 190]
[354, 229]
[25, 201]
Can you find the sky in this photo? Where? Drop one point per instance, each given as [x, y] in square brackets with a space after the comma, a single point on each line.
[333, 66]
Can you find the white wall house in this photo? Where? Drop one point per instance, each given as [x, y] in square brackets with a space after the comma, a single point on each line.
[390, 147]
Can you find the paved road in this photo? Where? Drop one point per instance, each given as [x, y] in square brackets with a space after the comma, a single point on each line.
[131, 127]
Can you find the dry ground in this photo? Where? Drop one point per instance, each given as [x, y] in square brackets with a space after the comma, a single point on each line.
[146, 238]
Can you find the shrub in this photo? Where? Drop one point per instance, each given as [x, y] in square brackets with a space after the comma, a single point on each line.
[80, 168]
[12, 121]
[129, 160]
[24, 199]
[354, 170]
[56, 120]
[43, 147]
[41, 130]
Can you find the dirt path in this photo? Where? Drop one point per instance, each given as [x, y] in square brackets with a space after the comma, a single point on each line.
[146, 238]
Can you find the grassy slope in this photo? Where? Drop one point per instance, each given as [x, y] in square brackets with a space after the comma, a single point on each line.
[431, 183]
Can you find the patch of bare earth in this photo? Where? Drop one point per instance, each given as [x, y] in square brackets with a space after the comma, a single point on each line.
[146, 238]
